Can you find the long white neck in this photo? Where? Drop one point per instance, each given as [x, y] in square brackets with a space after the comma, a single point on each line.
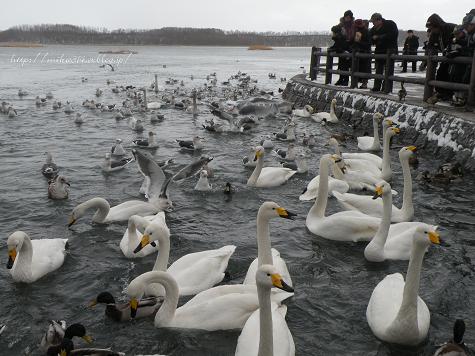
[135, 223]
[23, 263]
[102, 207]
[374, 251]
[376, 144]
[266, 341]
[161, 263]
[166, 313]
[386, 165]
[264, 253]
[407, 206]
[336, 146]
[407, 314]
[332, 111]
[320, 205]
[257, 171]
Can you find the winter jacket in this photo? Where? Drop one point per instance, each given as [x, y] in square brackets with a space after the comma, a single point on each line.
[364, 45]
[340, 44]
[384, 37]
[438, 42]
[411, 44]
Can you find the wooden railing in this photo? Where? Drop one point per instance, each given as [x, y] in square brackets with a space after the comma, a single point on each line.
[428, 82]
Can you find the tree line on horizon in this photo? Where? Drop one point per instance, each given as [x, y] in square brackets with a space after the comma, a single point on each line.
[71, 34]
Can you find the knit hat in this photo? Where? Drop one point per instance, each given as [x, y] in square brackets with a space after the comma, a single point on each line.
[469, 19]
[348, 13]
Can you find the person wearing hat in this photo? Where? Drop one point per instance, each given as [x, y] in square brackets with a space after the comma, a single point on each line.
[342, 35]
[441, 36]
[383, 35]
[411, 45]
[362, 44]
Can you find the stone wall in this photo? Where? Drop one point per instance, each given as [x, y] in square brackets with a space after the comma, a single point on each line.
[448, 137]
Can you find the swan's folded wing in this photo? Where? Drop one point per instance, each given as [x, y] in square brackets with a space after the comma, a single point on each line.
[199, 271]
[384, 303]
[48, 255]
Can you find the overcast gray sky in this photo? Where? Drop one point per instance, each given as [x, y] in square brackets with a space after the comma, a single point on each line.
[254, 15]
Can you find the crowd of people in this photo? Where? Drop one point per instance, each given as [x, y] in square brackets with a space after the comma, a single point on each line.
[448, 39]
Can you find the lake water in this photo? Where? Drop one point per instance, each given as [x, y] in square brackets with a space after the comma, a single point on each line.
[333, 281]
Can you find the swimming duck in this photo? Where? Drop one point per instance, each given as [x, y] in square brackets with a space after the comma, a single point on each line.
[121, 311]
[456, 346]
[151, 142]
[195, 144]
[49, 169]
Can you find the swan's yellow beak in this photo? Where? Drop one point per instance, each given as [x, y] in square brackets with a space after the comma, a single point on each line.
[72, 220]
[396, 130]
[283, 213]
[133, 307]
[258, 155]
[11, 257]
[63, 352]
[87, 338]
[378, 192]
[411, 148]
[434, 237]
[144, 242]
[389, 122]
[279, 283]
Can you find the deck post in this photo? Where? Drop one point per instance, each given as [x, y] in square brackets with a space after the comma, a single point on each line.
[387, 84]
[471, 89]
[354, 68]
[430, 75]
[156, 83]
[315, 62]
[328, 67]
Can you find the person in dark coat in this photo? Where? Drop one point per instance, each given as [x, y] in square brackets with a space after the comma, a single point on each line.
[441, 36]
[383, 35]
[342, 35]
[411, 45]
[362, 44]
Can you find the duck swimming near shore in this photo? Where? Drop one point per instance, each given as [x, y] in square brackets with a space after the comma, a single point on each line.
[49, 169]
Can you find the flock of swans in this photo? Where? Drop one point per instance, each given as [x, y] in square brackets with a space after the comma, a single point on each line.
[395, 312]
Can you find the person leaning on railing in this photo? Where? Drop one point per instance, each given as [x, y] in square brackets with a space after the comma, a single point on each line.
[463, 45]
[340, 45]
[362, 44]
[383, 35]
[441, 36]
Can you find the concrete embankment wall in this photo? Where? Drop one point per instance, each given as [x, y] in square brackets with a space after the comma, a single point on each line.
[445, 135]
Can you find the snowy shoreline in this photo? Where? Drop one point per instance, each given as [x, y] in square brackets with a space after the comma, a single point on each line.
[449, 137]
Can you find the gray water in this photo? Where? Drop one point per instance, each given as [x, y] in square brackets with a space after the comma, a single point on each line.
[333, 281]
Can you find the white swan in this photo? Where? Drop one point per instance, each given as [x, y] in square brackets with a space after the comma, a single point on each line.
[307, 111]
[395, 312]
[371, 143]
[391, 242]
[194, 272]
[218, 308]
[105, 214]
[133, 235]
[269, 176]
[342, 226]
[266, 255]
[266, 331]
[327, 117]
[367, 205]
[338, 185]
[29, 260]
[370, 158]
